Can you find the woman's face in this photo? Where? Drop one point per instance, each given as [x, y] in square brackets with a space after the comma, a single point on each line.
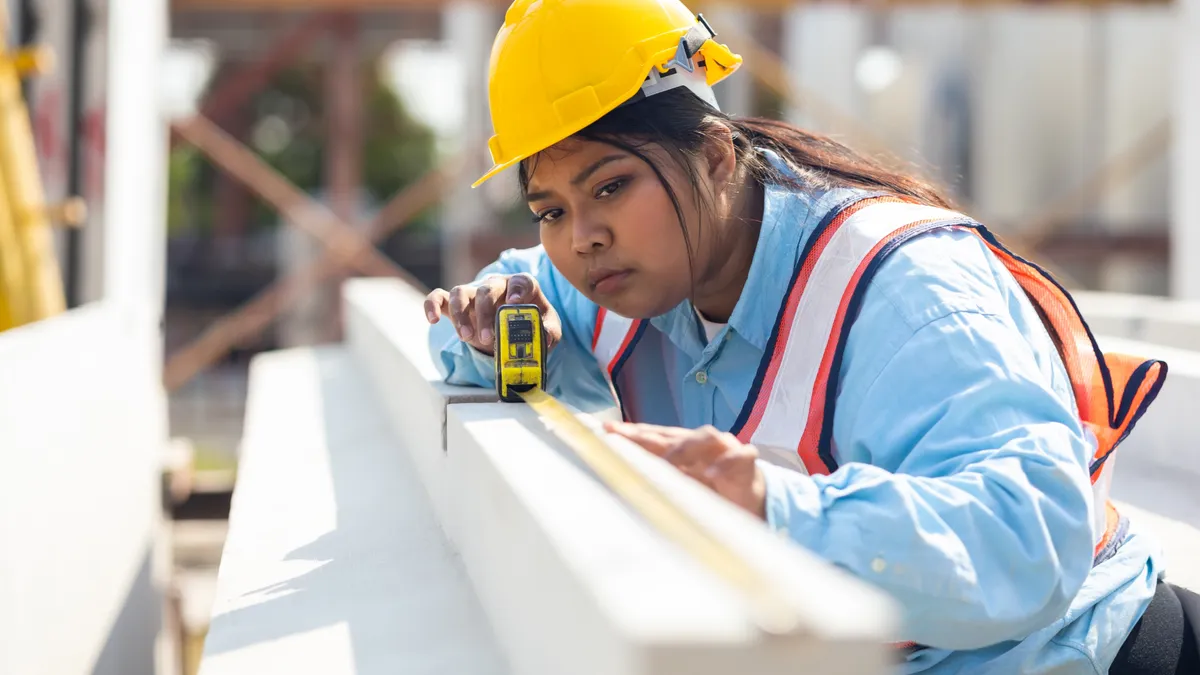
[610, 228]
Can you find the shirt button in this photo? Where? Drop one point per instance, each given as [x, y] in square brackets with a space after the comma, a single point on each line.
[878, 565]
[701, 377]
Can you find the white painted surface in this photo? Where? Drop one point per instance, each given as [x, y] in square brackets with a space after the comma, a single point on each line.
[335, 563]
[571, 580]
[1166, 435]
[1158, 465]
[82, 426]
[821, 45]
[1185, 213]
[1137, 88]
[1033, 132]
[1180, 542]
[568, 577]
[385, 328]
[574, 581]
[1013, 106]
[1146, 318]
[136, 162]
[469, 29]
[95, 144]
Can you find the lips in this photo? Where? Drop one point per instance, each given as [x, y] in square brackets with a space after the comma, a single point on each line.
[605, 281]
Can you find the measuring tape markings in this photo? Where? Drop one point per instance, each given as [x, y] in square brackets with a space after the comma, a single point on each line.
[771, 613]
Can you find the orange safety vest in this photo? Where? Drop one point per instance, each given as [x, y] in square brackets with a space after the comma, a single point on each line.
[788, 414]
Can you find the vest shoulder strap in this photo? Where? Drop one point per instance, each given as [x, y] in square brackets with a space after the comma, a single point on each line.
[788, 406]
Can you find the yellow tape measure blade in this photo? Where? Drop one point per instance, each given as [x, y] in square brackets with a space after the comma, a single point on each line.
[770, 613]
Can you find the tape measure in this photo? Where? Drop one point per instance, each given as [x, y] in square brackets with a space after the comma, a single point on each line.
[520, 357]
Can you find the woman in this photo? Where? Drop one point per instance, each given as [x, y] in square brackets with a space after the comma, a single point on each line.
[819, 340]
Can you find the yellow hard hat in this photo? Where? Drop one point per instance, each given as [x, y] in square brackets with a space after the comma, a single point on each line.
[559, 65]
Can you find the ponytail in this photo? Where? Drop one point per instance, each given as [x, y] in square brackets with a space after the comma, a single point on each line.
[820, 160]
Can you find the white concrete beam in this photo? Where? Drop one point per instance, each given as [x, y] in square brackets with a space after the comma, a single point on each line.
[81, 437]
[571, 580]
[1158, 466]
[1185, 220]
[470, 29]
[574, 581]
[385, 328]
[335, 562]
[135, 170]
[1151, 319]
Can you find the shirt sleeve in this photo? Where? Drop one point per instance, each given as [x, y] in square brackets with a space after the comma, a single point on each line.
[572, 374]
[971, 503]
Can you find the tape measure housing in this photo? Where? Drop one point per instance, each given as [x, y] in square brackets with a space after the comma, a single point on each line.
[520, 351]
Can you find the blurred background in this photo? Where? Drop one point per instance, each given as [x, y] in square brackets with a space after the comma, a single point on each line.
[224, 148]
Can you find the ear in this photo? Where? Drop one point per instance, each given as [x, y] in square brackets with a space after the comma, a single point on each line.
[720, 154]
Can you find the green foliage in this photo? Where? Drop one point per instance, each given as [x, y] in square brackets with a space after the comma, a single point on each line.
[290, 115]
[185, 212]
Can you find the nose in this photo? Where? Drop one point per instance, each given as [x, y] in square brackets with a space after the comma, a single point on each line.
[589, 235]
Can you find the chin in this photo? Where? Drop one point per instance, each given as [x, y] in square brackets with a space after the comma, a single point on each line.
[635, 307]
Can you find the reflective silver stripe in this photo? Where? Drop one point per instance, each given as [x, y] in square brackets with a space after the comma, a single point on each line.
[782, 422]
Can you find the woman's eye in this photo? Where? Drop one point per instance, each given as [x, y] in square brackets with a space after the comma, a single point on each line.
[547, 216]
[610, 188]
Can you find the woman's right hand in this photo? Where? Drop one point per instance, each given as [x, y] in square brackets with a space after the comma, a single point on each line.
[472, 308]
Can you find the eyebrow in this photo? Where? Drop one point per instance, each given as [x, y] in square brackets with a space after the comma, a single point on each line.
[582, 176]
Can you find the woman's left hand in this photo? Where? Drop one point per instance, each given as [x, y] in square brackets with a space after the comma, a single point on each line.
[717, 459]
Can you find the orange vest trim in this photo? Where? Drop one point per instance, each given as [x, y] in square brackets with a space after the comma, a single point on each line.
[1112, 391]
[797, 377]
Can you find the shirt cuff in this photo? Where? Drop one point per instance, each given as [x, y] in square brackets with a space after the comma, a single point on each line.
[789, 495]
[484, 362]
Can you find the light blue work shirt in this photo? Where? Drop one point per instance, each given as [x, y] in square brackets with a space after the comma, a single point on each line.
[963, 484]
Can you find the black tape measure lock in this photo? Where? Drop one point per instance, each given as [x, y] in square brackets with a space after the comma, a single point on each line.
[520, 349]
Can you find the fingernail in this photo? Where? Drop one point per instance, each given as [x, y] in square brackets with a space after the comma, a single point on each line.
[432, 318]
[486, 335]
[466, 332]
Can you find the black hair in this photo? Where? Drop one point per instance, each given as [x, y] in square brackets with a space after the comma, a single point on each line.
[681, 123]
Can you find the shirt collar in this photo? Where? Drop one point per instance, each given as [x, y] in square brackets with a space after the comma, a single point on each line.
[787, 223]
[785, 212]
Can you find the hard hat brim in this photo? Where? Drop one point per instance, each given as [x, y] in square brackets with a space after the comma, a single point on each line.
[728, 61]
[495, 170]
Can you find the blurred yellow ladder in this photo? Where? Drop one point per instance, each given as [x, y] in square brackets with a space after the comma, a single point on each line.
[31, 285]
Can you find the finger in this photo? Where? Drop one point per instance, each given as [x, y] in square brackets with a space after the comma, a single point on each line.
[553, 327]
[436, 304]
[531, 292]
[522, 290]
[735, 466]
[655, 442]
[697, 474]
[639, 430]
[700, 449]
[678, 433]
[737, 477]
[488, 296]
[461, 299]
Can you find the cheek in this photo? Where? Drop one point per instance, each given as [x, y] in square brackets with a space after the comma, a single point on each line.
[646, 230]
[557, 242]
